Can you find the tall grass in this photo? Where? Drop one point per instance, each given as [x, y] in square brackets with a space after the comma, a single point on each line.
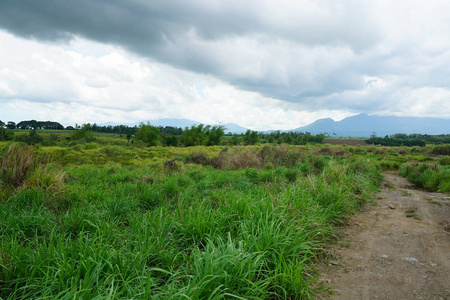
[17, 161]
[431, 176]
[192, 232]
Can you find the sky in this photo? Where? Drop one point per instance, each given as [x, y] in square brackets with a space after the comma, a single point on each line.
[261, 64]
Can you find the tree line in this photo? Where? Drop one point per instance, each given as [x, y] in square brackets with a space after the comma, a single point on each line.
[33, 124]
[149, 135]
[196, 135]
[401, 139]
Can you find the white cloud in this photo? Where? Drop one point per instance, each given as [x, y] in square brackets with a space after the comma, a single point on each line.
[117, 86]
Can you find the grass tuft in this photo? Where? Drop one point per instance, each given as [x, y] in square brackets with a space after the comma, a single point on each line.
[16, 163]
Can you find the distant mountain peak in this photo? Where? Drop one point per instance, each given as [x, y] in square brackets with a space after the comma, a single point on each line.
[324, 120]
[363, 125]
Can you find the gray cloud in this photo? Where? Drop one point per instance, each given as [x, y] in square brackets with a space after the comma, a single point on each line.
[357, 56]
[287, 52]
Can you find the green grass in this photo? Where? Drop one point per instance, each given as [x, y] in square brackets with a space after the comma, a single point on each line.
[429, 200]
[429, 175]
[114, 221]
[411, 213]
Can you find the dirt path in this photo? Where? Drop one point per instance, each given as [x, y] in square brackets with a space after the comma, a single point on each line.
[399, 248]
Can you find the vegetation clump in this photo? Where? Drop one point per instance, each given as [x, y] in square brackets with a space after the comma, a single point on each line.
[6, 134]
[16, 163]
[441, 150]
[430, 176]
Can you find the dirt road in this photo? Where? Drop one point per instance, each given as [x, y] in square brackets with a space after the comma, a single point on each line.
[398, 248]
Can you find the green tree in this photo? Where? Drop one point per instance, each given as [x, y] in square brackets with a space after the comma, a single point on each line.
[148, 134]
[34, 137]
[82, 133]
[11, 125]
[251, 137]
[129, 135]
[170, 140]
[6, 134]
[196, 135]
[214, 135]
[235, 140]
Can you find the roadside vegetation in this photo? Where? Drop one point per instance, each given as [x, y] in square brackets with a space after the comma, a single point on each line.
[433, 176]
[90, 215]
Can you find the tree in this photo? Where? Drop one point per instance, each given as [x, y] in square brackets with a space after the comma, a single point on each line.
[82, 133]
[148, 134]
[214, 134]
[11, 125]
[250, 137]
[169, 140]
[235, 140]
[193, 136]
[129, 135]
[6, 134]
[33, 138]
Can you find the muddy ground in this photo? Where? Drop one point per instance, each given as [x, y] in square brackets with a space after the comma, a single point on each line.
[398, 248]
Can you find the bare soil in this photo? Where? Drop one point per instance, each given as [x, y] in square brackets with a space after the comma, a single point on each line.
[344, 142]
[397, 248]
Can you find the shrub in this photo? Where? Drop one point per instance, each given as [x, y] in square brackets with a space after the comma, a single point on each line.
[326, 151]
[31, 138]
[200, 158]
[148, 134]
[45, 177]
[90, 146]
[441, 150]
[84, 133]
[173, 166]
[236, 158]
[445, 161]
[6, 134]
[111, 150]
[282, 155]
[381, 151]
[430, 176]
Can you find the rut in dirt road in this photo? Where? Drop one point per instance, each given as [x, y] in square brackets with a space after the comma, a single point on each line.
[399, 248]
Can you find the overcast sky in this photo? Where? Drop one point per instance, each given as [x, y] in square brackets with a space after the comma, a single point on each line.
[258, 63]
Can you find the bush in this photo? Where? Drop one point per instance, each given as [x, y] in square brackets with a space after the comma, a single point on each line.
[84, 134]
[282, 155]
[430, 176]
[199, 158]
[148, 134]
[236, 158]
[6, 134]
[441, 150]
[50, 179]
[31, 138]
[445, 161]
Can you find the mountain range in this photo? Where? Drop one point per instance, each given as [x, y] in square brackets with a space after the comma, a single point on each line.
[361, 125]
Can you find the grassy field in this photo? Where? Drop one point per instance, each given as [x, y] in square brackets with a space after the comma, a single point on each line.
[110, 220]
